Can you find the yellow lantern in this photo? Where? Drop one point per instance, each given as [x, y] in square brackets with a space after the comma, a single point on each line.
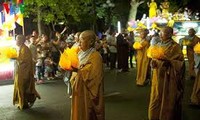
[65, 63]
[11, 53]
[137, 45]
[73, 57]
[197, 48]
[155, 52]
[69, 58]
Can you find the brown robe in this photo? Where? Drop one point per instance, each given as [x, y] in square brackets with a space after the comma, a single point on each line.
[195, 97]
[167, 85]
[142, 64]
[24, 83]
[87, 90]
[190, 55]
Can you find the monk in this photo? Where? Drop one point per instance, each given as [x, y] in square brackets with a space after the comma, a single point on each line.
[190, 41]
[87, 88]
[24, 82]
[143, 61]
[195, 97]
[167, 80]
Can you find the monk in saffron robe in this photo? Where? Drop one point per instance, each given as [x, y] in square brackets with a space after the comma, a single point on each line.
[190, 41]
[167, 80]
[195, 97]
[87, 88]
[143, 61]
[24, 82]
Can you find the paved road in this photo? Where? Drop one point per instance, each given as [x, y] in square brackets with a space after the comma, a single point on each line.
[123, 99]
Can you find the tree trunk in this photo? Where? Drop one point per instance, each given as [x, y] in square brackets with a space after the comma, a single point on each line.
[95, 16]
[133, 12]
[39, 23]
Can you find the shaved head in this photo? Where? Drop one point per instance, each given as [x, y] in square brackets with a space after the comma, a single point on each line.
[191, 32]
[20, 39]
[169, 30]
[90, 36]
[166, 33]
[87, 40]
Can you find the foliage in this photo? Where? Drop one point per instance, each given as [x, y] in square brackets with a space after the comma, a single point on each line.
[84, 12]
[56, 10]
[69, 11]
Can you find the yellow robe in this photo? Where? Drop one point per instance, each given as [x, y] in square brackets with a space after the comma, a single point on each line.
[167, 85]
[165, 9]
[152, 9]
[195, 97]
[142, 63]
[87, 90]
[190, 55]
[24, 83]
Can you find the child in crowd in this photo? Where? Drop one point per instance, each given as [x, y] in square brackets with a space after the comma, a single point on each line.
[105, 53]
[39, 65]
[49, 67]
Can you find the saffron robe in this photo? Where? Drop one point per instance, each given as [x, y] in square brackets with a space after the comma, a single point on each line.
[142, 64]
[24, 83]
[190, 55]
[167, 85]
[87, 90]
[195, 97]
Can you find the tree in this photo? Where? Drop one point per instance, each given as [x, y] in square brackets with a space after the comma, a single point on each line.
[134, 6]
[52, 12]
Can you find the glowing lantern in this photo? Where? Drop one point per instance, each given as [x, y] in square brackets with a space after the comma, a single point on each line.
[137, 45]
[69, 58]
[64, 62]
[149, 52]
[3, 57]
[11, 53]
[155, 52]
[197, 48]
[76, 49]
[73, 56]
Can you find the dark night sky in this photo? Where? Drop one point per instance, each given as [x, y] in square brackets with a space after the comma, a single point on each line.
[193, 4]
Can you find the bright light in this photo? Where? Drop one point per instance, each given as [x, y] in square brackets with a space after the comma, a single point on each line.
[190, 25]
[4, 43]
[4, 67]
[119, 27]
[61, 23]
[162, 21]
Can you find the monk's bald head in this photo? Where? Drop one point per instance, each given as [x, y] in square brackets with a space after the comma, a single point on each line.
[166, 33]
[169, 30]
[89, 36]
[191, 32]
[20, 39]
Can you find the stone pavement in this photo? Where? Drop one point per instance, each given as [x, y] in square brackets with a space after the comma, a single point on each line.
[123, 100]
